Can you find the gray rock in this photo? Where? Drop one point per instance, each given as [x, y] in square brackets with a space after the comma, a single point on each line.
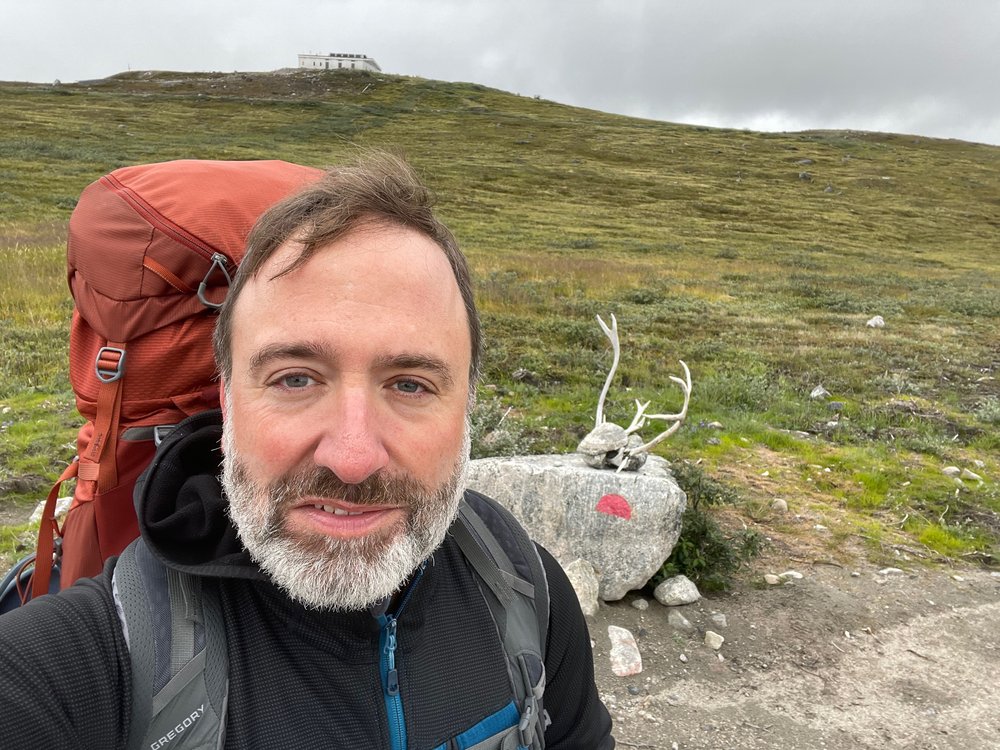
[951, 471]
[779, 505]
[835, 406]
[683, 658]
[890, 572]
[719, 620]
[676, 591]
[625, 657]
[819, 392]
[625, 524]
[805, 176]
[678, 621]
[640, 604]
[804, 162]
[62, 507]
[585, 583]
[771, 579]
[966, 474]
[713, 640]
[828, 189]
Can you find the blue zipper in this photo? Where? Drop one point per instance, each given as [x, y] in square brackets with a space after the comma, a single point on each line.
[390, 672]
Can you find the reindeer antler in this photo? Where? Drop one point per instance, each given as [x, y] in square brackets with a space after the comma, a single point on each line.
[677, 419]
[612, 334]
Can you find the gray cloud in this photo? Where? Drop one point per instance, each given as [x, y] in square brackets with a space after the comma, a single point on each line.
[912, 66]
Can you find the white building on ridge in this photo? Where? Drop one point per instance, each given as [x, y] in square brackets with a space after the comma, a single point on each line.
[339, 61]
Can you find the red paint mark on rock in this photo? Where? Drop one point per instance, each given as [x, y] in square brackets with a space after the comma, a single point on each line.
[615, 505]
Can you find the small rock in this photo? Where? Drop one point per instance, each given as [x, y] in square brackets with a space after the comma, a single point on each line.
[979, 464]
[676, 620]
[713, 640]
[640, 604]
[805, 176]
[771, 579]
[966, 474]
[958, 578]
[625, 657]
[586, 584]
[683, 658]
[877, 322]
[790, 574]
[634, 690]
[6, 410]
[713, 441]
[714, 426]
[855, 574]
[951, 471]
[835, 406]
[890, 572]
[676, 591]
[828, 189]
[719, 619]
[523, 375]
[819, 527]
[819, 392]
[805, 162]
[779, 505]
[62, 506]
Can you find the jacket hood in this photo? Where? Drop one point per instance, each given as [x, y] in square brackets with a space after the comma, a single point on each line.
[181, 508]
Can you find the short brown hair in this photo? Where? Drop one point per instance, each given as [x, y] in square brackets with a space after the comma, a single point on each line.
[379, 188]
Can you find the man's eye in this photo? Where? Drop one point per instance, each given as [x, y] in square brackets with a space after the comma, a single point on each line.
[294, 382]
[408, 386]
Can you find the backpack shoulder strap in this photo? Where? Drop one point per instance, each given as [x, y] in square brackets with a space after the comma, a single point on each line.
[506, 560]
[172, 624]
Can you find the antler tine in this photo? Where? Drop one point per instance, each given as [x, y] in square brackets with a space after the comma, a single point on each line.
[677, 419]
[640, 417]
[612, 334]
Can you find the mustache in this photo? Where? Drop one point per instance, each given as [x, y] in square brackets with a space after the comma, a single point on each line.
[380, 488]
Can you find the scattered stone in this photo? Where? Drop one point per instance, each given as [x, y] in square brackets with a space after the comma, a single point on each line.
[525, 376]
[891, 572]
[683, 658]
[6, 410]
[779, 505]
[820, 527]
[713, 441]
[585, 583]
[828, 189]
[966, 474]
[719, 619]
[979, 464]
[951, 471]
[877, 322]
[819, 392]
[791, 574]
[805, 176]
[805, 162]
[62, 506]
[640, 604]
[835, 406]
[625, 657]
[771, 579]
[714, 426]
[676, 591]
[634, 690]
[678, 621]
[855, 574]
[958, 578]
[713, 640]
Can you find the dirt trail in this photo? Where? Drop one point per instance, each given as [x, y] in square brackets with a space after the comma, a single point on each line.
[906, 660]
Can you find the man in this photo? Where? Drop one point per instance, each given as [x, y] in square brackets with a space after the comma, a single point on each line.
[348, 350]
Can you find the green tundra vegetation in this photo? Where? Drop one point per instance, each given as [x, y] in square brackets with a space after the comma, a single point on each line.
[757, 258]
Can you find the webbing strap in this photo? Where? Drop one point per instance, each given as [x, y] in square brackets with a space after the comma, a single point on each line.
[48, 530]
[104, 445]
[182, 621]
[487, 569]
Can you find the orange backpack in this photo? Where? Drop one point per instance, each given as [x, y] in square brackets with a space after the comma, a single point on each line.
[150, 254]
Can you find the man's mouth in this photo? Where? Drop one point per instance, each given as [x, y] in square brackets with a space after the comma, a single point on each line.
[338, 511]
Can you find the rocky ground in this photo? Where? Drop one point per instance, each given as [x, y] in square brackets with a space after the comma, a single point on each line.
[844, 658]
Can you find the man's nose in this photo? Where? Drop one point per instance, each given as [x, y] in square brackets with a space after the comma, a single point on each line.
[350, 442]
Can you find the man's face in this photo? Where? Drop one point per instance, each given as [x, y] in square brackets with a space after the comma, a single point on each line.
[345, 417]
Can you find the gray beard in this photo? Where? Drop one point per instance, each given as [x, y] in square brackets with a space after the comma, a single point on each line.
[323, 572]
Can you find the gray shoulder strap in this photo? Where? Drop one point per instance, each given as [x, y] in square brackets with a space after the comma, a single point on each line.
[172, 623]
[516, 590]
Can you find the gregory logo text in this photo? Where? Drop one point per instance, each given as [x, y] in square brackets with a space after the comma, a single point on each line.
[179, 729]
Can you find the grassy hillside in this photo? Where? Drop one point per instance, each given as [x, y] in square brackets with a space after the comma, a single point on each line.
[756, 258]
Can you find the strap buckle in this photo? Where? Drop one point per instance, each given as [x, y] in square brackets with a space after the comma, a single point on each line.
[110, 364]
[527, 727]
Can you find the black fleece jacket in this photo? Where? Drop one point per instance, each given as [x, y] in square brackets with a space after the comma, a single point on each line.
[299, 678]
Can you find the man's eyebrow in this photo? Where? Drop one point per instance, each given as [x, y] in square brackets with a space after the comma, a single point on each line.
[408, 361]
[298, 350]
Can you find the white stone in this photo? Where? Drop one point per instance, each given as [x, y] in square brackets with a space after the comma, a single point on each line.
[966, 474]
[819, 392]
[640, 604]
[719, 620]
[676, 620]
[771, 580]
[791, 574]
[556, 498]
[951, 471]
[625, 657]
[676, 591]
[890, 572]
[683, 658]
[779, 505]
[713, 640]
[62, 507]
[876, 322]
[585, 583]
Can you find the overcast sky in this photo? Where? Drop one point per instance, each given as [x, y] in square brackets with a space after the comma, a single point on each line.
[908, 66]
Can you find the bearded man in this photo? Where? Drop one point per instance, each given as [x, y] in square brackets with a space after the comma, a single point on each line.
[348, 349]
